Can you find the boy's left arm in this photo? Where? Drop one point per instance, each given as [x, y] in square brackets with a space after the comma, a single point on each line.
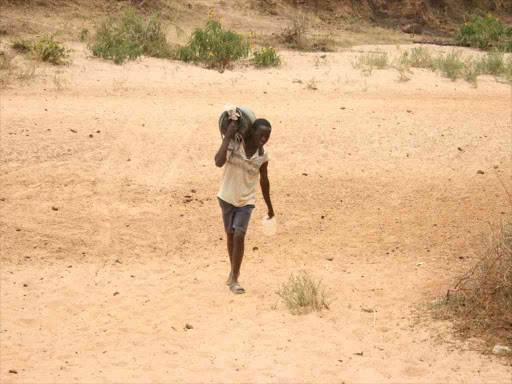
[265, 188]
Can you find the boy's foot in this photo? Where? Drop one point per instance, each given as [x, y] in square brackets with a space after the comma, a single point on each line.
[229, 281]
[236, 289]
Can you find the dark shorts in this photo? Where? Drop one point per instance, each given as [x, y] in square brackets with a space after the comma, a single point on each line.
[235, 217]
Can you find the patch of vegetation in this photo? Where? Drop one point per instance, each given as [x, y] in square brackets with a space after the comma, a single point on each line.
[298, 36]
[51, 51]
[368, 61]
[46, 49]
[266, 57]
[482, 298]
[485, 32]
[421, 57]
[129, 36]
[22, 46]
[403, 65]
[214, 46]
[302, 294]
[450, 65]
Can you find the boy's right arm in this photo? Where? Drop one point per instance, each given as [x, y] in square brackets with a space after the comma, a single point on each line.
[220, 157]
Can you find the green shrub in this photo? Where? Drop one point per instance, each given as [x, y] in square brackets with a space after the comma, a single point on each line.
[130, 36]
[51, 51]
[214, 46]
[303, 294]
[266, 57]
[485, 32]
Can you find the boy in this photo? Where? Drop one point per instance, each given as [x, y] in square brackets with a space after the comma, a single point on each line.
[245, 160]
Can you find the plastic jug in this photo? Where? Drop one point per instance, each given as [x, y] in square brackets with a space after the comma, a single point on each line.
[269, 226]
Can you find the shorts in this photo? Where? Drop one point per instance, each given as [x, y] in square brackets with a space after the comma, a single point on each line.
[235, 217]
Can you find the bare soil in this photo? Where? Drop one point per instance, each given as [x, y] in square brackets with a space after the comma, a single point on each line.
[112, 241]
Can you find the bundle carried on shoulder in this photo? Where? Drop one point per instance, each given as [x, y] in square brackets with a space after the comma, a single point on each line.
[244, 116]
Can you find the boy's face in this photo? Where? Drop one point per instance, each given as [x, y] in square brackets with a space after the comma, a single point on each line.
[260, 136]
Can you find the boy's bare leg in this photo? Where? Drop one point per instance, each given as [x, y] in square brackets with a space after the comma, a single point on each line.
[238, 255]
[231, 245]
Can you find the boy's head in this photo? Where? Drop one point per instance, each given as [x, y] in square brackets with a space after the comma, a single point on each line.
[261, 129]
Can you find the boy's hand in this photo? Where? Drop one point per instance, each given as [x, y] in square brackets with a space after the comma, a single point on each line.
[232, 128]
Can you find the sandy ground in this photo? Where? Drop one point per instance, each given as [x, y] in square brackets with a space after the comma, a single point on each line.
[111, 236]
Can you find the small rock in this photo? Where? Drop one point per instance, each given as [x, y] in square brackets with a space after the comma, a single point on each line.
[255, 248]
[322, 217]
[304, 174]
[480, 172]
[91, 135]
[55, 208]
[499, 349]
[98, 131]
[409, 111]
[330, 258]
[73, 130]
[13, 371]
[116, 293]
[25, 285]
[460, 149]
[496, 167]
[188, 326]
[193, 191]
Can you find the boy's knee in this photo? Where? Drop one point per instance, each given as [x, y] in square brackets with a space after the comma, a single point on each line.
[239, 235]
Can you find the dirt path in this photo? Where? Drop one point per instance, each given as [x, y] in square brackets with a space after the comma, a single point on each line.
[378, 175]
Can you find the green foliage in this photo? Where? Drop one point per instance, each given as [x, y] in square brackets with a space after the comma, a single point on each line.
[130, 36]
[302, 294]
[485, 32]
[22, 46]
[493, 64]
[214, 46]
[266, 57]
[51, 51]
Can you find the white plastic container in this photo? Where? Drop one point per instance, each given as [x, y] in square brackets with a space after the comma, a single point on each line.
[269, 226]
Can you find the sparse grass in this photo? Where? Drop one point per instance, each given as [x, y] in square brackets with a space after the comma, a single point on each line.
[129, 36]
[403, 65]
[421, 57]
[214, 46]
[302, 294]
[298, 36]
[450, 65]
[266, 57]
[22, 46]
[482, 298]
[366, 62]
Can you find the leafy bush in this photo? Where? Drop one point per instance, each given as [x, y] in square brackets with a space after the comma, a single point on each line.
[485, 32]
[130, 36]
[266, 57]
[403, 66]
[214, 46]
[51, 51]
[303, 294]
[493, 64]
